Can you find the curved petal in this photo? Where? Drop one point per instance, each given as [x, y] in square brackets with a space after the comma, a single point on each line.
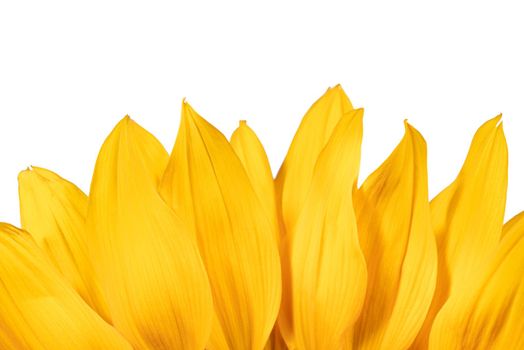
[395, 233]
[327, 265]
[206, 181]
[488, 314]
[295, 174]
[251, 153]
[294, 180]
[467, 216]
[39, 309]
[54, 210]
[147, 262]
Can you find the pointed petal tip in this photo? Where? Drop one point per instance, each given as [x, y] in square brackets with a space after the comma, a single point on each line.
[412, 133]
[36, 172]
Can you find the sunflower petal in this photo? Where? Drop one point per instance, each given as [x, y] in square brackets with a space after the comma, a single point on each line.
[395, 233]
[147, 262]
[39, 309]
[294, 177]
[468, 215]
[488, 314]
[327, 265]
[251, 153]
[54, 210]
[236, 239]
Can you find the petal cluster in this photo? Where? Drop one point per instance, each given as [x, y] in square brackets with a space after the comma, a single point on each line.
[203, 249]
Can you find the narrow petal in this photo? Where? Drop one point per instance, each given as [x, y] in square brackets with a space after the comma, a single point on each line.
[294, 180]
[251, 153]
[54, 210]
[39, 309]
[395, 233]
[488, 314]
[467, 216]
[327, 265]
[236, 239]
[147, 262]
[295, 174]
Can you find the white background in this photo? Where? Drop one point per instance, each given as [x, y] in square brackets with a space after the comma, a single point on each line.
[70, 71]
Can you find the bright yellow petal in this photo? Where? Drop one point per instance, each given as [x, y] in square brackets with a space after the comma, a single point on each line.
[146, 260]
[327, 265]
[236, 239]
[251, 153]
[54, 210]
[467, 217]
[38, 308]
[395, 233]
[488, 314]
[294, 177]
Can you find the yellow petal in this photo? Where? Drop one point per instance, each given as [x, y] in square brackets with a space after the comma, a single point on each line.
[488, 314]
[251, 153]
[395, 233]
[467, 216]
[39, 309]
[54, 210]
[147, 262]
[294, 177]
[236, 239]
[327, 265]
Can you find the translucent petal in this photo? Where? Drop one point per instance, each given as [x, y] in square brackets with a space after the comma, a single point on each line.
[327, 265]
[488, 314]
[395, 233]
[467, 217]
[294, 177]
[39, 309]
[251, 153]
[147, 262]
[54, 210]
[206, 181]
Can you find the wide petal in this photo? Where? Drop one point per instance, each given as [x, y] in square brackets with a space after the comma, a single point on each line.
[327, 265]
[467, 217]
[395, 233]
[236, 239]
[488, 314]
[39, 309]
[295, 174]
[147, 262]
[54, 210]
[251, 153]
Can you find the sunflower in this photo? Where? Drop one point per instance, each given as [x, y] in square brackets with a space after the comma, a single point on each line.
[203, 249]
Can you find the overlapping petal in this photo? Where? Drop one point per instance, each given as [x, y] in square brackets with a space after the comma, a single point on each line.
[395, 233]
[467, 217]
[295, 174]
[294, 179]
[54, 211]
[327, 265]
[203, 249]
[146, 260]
[488, 314]
[251, 153]
[39, 308]
[206, 183]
